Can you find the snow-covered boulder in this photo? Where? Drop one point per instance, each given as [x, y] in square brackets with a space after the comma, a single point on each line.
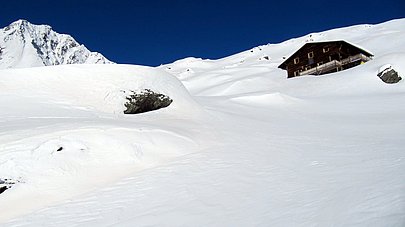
[388, 74]
[145, 101]
[91, 88]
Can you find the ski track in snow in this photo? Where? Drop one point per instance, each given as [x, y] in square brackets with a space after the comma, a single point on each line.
[247, 148]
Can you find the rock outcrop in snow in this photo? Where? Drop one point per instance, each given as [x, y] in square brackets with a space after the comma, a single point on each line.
[23, 45]
[388, 74]
[145, 101]
[5, 184]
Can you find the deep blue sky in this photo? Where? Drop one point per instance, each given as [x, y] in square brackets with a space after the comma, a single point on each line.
[148, 32]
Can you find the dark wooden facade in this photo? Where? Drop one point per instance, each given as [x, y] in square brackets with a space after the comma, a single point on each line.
[318, 58]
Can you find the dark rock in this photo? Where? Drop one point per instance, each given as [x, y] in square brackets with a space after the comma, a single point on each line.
[145, 101]
[6, 184]
[265, 58]
[2, 189]
[389, 75]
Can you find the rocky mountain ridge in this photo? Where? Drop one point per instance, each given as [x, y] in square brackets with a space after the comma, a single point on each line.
[23, 45]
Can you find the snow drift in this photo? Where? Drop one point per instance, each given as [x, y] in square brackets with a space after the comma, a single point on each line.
[86, 87]
[60, 129]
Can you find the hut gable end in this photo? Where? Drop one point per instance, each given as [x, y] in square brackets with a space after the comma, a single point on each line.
[318, 58]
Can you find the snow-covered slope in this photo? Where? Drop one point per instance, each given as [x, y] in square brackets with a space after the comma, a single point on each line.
[257, 67]
[248, 147]
[23, 45]
[63, 129]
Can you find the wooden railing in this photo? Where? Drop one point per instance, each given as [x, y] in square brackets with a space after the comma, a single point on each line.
[335, 64]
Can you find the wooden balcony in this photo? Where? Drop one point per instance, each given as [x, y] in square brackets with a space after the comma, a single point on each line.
[335, 65]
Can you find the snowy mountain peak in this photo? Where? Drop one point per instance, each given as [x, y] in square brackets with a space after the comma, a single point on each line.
[19, 24]
[23, 44]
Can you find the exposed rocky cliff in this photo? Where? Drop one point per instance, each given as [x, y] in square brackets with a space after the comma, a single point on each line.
[23, 44]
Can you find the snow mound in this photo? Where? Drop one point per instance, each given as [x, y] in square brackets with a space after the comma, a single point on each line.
[64, 131]
[265, 99]
[100, 88]
[62, 163]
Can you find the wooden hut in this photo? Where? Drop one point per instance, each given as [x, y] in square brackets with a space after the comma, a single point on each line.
[316, 58]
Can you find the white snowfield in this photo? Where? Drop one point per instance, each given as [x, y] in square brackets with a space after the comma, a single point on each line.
[240, 145]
